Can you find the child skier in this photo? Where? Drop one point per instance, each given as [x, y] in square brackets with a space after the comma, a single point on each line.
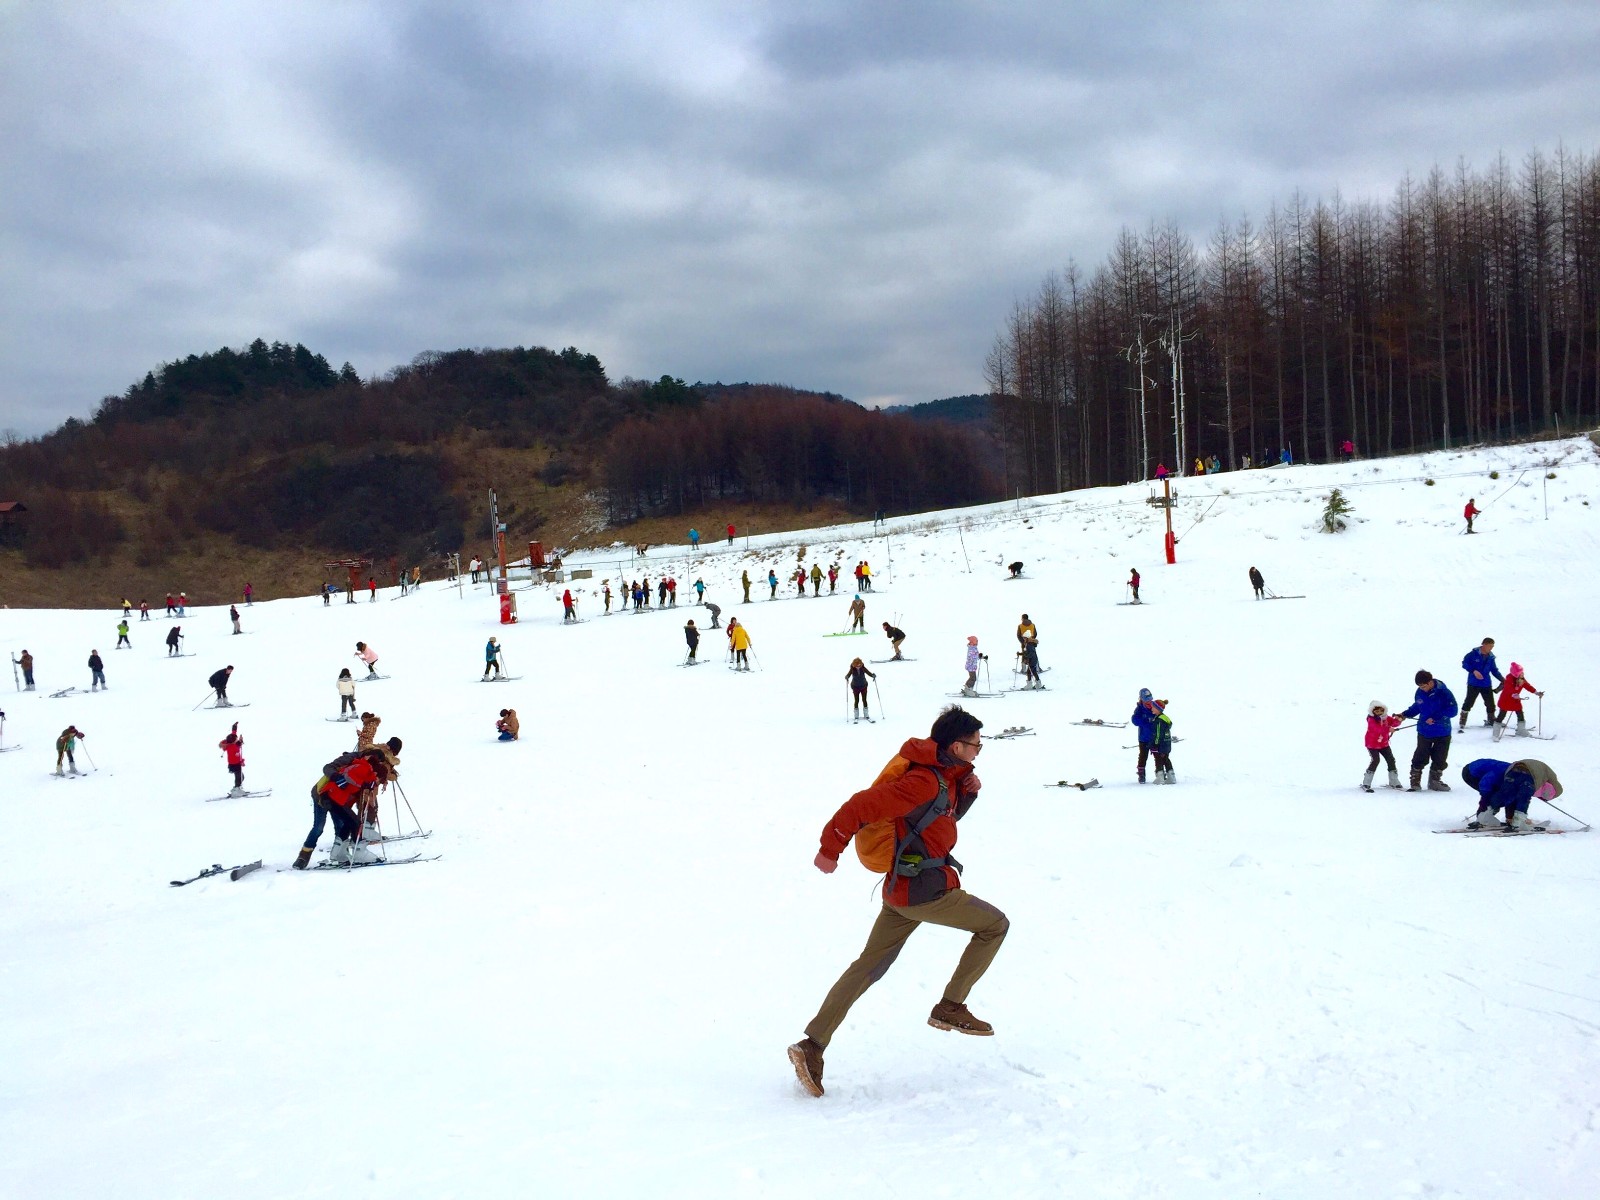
[1511, 701]
[1133, 582]
[347, 693]
[692, 636]
[569, 611]
[1030, 663]
[491, 657]
[65, 744]
[122, 635]
[858, 676]
[1155, 735]
[233, 614]
[739, 639]
[233, 747]
[970, 688]
[1380, 727]
[369, 656]
[1509, 786]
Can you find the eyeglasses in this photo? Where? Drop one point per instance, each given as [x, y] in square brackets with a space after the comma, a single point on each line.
[976, 744]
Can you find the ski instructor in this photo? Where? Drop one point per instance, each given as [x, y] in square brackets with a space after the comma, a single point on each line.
[921, 793]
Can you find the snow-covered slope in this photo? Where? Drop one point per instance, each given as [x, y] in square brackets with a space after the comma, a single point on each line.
[1262, 981]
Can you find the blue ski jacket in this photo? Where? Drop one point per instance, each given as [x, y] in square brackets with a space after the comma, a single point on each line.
[1500, 784]
[1480, 668]
[1433, 711]
[1154, 727]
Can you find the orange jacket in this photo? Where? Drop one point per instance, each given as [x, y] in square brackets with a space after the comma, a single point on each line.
[895, 800]
[360, 776]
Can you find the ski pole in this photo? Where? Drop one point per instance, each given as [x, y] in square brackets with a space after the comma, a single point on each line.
[879, 695]
[988, 682]
[203, 699]
[1569, 816]
[1541, 714]
[90, 757]
[847, 697]
[757, 658]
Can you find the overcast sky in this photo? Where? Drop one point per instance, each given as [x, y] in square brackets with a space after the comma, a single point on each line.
[840, 196]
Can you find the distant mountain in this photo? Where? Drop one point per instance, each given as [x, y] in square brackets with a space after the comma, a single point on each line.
[961, 410]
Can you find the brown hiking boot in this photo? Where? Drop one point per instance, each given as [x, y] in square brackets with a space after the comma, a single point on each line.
[806, 1056]
[947, 1014]
[302, 860]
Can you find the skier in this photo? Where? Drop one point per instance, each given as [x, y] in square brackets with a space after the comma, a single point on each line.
[866, 576]
[1155, 735]
[1161, 472]
[605, 591]
[183, 602]
[730, 535]
[858, 675]
[233, 614]
[923, 791]
[369, 656]
[970, 688]
[700, 590]
[127, 608]
[1509, 786]
[416, 578]
[772, 584]
[638, 597]
[1380, 726]
[1026, 629]
[692, 636]
[661, 593]
[97, 671]
[338, 795]
[816, 580]
[1257, 582]
[694, 539]
[174, 636]
[672, 591]
[144, 611]
[568, 610]
[1030, 664]
[833, 577]
[858, 614]
[1511, 701]
[122, 635]
[1470, 511]
[1287, 457]
[744, 582]
[895, 636]
[219, 682]
[716, 611]
[171, 605]
[739, 639]
[233, 747]
[509, 728]
[1015, 569]
[1199, 466]
[800, 581]
[491, 657]
[347, 693]
[249, 595]
[1481, 669]
[327, 593]
[1133, 582]
[372, 589]
[26, 663]
[65, 744]
[1433, 708]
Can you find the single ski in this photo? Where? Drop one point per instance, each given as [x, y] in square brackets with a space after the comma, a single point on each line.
[239, 873]
[1283, 597]
[62, 692]
[1103, 724]
[1501, 832]
[213, 869]
[340, 720]
[848, 633]
[9, 749]
[403, 837]
[328, 864]
[1015, 731]
[238, 796]
[694, 662]
[372, 678]
[229, 704]
[858, 720]
[1136, 745]
[902, 658]
[1082, 787]
[500, 679]
[976, 695]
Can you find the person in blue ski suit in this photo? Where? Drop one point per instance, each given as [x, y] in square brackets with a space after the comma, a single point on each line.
[1433, 708]
[491, 657]
[1155, 735]
[1510, 786]
[1481, 672]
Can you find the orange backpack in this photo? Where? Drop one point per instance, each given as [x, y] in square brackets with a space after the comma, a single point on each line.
[875, 843]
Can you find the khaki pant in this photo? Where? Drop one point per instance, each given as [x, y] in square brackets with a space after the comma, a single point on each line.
[956, 910]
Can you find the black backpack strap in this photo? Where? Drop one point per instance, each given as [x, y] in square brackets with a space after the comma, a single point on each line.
[907, 861]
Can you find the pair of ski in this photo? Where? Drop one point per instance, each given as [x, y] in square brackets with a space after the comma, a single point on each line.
[1500, 730]
[1136, 745]
[499, 679]
[848, 633]
[1102, 724]
[976, 695]
[1012, 731]
[1500, 831]
[1082, 787]
[902, 658]
[234, 873]
[239, 796]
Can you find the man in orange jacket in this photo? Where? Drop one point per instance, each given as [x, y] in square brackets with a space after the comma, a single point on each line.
[924, 792]
[340, 796]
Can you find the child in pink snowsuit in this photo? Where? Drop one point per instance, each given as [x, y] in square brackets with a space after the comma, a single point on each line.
[369, 656]
[1380, 727]
[1511, 701]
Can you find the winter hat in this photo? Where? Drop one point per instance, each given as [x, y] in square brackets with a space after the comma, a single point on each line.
[1374, 706]
[1516, 668]
[394, 745]
[1146, 694]
[972, 641]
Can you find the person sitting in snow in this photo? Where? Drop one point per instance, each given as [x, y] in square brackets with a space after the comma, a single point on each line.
[509, 727]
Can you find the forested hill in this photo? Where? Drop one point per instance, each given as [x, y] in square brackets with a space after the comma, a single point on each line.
[271, 447]
[975, 409]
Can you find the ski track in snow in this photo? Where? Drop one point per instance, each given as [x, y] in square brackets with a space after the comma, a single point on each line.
[1261, 982]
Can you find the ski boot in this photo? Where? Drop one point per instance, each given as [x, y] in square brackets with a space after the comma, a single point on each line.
[1394, 780]
[1366, 780]
[1484, 818]
[1416, 782]
[303, 859]
[1436, 782]
[350, 851]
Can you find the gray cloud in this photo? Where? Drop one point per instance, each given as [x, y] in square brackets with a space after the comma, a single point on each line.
[847, 198]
